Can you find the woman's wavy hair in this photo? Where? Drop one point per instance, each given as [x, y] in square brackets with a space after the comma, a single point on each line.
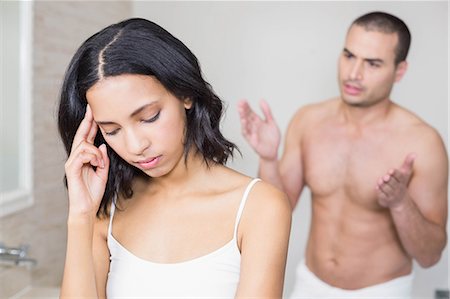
[139, 46]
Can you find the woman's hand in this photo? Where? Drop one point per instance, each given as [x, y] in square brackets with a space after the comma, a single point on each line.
[86, 186]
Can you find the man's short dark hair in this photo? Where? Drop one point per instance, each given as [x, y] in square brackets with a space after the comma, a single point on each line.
[387, 23]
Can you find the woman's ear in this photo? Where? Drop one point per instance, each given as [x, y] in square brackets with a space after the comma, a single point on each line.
[187, 103]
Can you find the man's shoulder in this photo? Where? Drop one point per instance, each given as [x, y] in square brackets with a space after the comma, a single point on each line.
[409, 121]
[415, 129]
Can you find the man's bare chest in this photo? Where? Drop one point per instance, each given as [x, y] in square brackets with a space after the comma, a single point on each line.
[342, 164]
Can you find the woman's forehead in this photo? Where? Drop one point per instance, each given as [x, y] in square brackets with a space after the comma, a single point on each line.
[124, 95]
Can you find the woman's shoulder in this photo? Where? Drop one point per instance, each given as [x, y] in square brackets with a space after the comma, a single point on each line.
[267, 212]
[231, 179]
[262, 197]
[266, 198]
[265, 193]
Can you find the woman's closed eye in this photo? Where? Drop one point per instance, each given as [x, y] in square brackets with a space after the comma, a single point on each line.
[148, 120]
[153, 118]
[111, 133]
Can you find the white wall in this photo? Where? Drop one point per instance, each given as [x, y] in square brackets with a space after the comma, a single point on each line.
[287, 53]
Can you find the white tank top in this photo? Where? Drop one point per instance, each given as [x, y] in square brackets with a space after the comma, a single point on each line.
[214, 275]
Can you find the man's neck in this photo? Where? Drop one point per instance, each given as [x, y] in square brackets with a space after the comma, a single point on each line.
[362, 116]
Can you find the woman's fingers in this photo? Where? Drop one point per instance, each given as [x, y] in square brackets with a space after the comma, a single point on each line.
[85, 158]
[74, 169]
[86, 130]
[92, 131]
[103, 169]
[85, 153]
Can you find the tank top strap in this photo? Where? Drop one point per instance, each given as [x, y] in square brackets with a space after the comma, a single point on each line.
[242, 205]
[111, 215]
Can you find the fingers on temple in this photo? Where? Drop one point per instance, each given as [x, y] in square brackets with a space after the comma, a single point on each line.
[92, 132]
[103, 171]
[87, 157]
[85, 129]
[104, 152]
[86, 153]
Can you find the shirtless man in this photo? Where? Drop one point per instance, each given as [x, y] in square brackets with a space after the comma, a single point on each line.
[377, 172]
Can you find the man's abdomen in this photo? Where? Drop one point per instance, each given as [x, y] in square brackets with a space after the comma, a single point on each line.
[352, 247]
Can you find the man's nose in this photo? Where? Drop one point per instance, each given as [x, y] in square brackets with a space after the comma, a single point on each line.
[356, 72]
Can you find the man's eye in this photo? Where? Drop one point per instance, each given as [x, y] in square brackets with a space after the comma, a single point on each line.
[348, 55]
[152, 119]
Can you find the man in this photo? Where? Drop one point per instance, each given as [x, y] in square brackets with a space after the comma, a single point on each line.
[377, 172]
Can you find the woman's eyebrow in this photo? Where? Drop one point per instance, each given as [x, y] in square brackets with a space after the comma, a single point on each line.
[138, 110]
[134, 113]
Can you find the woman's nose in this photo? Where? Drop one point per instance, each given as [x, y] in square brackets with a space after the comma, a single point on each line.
[136, 143]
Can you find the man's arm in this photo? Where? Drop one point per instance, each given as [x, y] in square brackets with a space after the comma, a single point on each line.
[419, 210]
[291, 166]
[264, 137]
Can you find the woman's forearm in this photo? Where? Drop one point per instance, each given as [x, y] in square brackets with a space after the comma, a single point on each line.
[79, 274]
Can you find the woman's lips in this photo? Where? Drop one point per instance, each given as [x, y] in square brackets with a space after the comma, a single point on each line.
[149, 163]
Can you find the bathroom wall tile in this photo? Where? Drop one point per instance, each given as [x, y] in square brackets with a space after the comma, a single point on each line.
[9, 287]
[59, 28]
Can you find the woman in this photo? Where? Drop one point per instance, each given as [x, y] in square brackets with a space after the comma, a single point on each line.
[153, 211]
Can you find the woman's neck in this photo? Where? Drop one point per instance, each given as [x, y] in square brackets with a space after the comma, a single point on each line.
[187, 173]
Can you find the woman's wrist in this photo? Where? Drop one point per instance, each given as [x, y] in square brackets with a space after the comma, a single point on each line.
[80, 219]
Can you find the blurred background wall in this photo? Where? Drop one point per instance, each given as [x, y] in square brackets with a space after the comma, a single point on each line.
[284, 52]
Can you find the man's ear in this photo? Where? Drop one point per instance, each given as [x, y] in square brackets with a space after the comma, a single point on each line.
[401, 70]
[187, 103]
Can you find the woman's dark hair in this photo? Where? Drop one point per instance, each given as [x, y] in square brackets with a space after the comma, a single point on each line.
[139, 46]
[387, 23]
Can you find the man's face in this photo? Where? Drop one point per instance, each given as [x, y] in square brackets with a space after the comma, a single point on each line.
[367, 69]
